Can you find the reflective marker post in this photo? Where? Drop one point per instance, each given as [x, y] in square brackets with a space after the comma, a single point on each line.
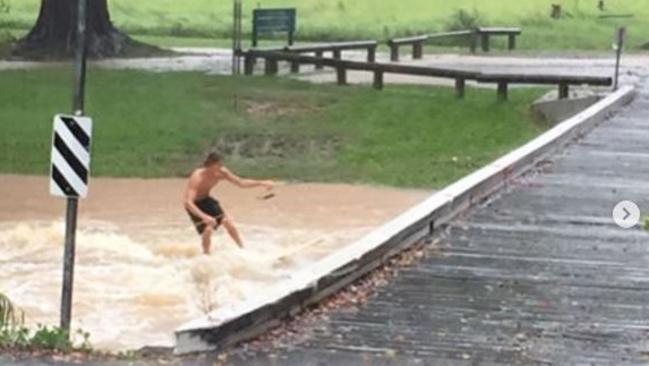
[73, 202]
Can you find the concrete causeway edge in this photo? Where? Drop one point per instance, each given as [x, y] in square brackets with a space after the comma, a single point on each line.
[230, 325]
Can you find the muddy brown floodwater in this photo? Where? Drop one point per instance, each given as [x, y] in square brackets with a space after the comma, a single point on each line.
[139, 270]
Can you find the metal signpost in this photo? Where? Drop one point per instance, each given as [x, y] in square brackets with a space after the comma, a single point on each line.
[71, 162]
[273, 20]
[236, 37]
[619, 46]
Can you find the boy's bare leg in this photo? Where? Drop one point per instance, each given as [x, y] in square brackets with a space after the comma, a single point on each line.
[207, 239]
[232, 231]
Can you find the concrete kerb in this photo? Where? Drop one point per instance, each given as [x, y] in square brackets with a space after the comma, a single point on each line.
[229, 325]
[556, 110]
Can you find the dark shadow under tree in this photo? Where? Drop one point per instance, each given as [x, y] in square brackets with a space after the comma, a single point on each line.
[54, 34]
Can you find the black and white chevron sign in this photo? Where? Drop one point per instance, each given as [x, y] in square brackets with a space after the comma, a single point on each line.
[70, 167]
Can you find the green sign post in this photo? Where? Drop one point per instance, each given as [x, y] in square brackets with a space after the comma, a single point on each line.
[265, 21]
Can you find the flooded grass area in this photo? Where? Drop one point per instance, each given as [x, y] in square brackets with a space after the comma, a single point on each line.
[140, 273]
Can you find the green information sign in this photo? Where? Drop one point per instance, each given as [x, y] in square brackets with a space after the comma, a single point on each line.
[268, 21]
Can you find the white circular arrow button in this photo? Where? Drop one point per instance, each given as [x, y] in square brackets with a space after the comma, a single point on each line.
[626, 214]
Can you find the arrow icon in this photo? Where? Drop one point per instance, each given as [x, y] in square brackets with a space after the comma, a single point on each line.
[627, 214]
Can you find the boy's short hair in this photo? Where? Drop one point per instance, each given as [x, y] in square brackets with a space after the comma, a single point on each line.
[212, 158]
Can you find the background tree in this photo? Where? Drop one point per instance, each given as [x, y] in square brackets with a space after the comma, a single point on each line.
[5, 36]
[54, 34]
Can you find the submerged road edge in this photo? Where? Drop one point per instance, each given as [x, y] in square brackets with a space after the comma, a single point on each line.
[228, 326]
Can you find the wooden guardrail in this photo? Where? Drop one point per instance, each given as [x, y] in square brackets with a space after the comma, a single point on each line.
[469, 34]
[479, 35]
[486, 33]
[379, 69]
[564, 81]
[335, 48]
[342, 66]
[416, 42]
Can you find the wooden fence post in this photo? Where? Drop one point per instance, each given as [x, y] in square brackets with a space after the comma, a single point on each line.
[295, 67]
[341, 75]
[564, 91]
[271, 66]
[417, 50]
[485, 42]
[473, 42]
[378, 80]
[319, 66]
[394, 52]
[502, 90]
[511, 45]
[460, 85]
[248, 64]
[371, 54]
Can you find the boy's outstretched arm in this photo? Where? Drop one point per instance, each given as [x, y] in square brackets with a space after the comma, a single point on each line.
[246, 183]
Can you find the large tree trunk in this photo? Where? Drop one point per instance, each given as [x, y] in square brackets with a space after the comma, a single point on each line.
[54, 34]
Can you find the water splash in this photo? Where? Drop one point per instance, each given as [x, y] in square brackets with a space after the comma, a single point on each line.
[130, 293]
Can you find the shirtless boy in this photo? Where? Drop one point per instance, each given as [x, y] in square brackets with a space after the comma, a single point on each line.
[206, 212]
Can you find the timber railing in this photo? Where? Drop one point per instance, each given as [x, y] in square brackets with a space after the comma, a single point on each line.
[478, 35]
[342, 66]
[272, 60]
[335, 48]
[417, 43]
[563, 81]
[486, 33]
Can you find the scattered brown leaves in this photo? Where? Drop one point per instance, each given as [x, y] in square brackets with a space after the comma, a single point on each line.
[300, 328]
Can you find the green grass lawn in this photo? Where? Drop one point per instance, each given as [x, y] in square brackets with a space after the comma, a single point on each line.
[154, 125]
[356, 19]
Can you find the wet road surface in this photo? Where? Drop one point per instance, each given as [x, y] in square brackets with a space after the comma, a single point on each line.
[538, 276]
